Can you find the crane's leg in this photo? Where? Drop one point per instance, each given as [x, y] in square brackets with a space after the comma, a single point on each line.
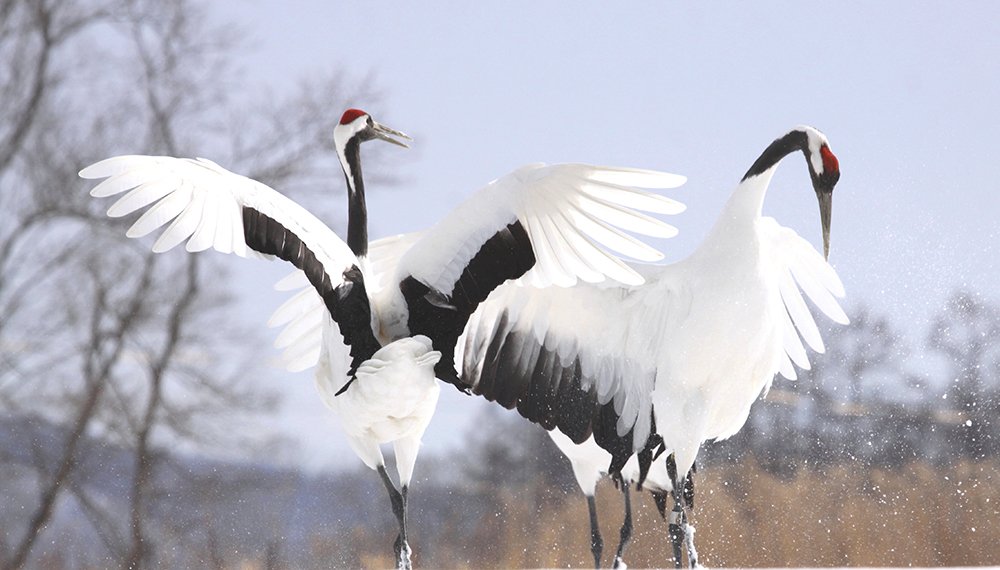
[625, 534]
[403, 551]
[688, 527]
[677, 518]
[398, 499]
[676, 528]
[596, 543]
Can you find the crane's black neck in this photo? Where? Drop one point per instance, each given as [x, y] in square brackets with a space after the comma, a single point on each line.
[357, 210]
[779, 149]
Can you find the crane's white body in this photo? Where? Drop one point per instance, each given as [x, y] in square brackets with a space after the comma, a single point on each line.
[392, 400]
[394, 397]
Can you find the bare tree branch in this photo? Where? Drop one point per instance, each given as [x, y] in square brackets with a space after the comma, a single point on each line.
[93, 334]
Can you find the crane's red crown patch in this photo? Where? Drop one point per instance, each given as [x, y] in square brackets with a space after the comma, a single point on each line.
[830, 163]
[350, 115]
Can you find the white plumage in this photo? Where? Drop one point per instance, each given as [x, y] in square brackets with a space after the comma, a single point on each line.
[393, 400]
[691, 349]
[380, 336]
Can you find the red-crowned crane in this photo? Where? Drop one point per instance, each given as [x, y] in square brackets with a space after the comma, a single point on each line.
[682, 356]
[382, 336]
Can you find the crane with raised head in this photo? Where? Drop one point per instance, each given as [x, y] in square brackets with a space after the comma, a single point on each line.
[380, 336]
[679, 359]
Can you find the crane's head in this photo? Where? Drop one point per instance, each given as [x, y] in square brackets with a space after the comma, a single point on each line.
[356, 125]
[823, 168]
[825, 172]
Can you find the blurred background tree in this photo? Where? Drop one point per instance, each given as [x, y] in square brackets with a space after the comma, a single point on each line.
[967, 333]
[100, 340]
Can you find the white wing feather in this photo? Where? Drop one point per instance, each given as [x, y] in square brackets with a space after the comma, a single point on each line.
[384, 255]
[204, 203]
[565, 209]
[800, 265]
[303, 314]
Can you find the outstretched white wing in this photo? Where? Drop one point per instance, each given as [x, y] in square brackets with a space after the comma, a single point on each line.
[205, 204]
[547, 224]
[567, 212]
[209, 206]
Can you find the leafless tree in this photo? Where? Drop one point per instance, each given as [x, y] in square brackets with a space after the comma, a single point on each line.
[97, 334]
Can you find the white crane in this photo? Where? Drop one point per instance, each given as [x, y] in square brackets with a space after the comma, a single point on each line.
[381, 336]
[683, 355]
[590, 462]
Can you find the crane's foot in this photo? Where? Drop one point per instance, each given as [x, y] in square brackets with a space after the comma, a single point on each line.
[689, 545]
[402, 551]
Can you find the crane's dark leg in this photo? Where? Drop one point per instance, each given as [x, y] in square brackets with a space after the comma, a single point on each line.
[676, 528]
[625, 534]
[403, 557]
[398, 499]
[596, 543]
[688, 527]
[677, 520]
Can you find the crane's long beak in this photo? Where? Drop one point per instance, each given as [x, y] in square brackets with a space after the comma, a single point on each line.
[825, 207]
[385, 133]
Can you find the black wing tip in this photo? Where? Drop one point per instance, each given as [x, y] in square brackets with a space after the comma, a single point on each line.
[346, 385]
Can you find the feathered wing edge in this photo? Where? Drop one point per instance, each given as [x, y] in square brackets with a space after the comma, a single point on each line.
[568, 212]
[801, 269]
[211, 207]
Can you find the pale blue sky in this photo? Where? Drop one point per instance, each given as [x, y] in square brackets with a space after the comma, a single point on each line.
[906, 92]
